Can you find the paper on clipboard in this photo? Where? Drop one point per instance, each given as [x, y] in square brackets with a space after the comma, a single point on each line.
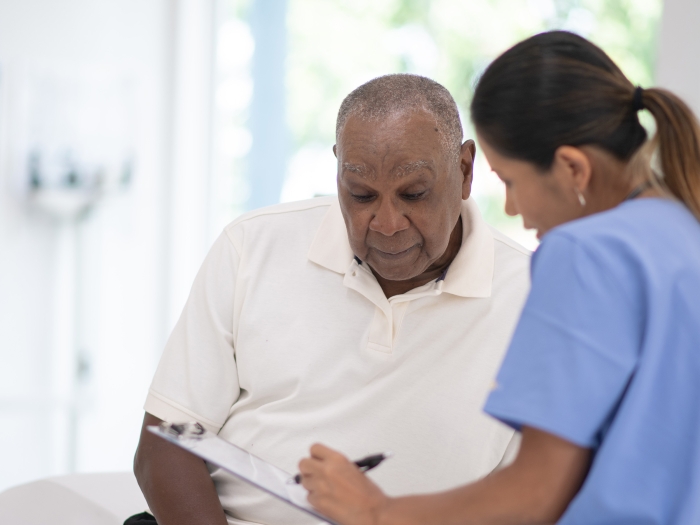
[194, 438]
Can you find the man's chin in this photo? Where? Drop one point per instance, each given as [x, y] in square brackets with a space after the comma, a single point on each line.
[395, 273]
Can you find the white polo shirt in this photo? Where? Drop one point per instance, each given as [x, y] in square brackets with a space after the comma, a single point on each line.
[287, 340]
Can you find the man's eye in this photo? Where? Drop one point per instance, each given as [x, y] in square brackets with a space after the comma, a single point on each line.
[413, 196]
[362, 198]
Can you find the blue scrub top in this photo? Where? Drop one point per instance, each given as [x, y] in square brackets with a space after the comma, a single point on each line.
[607, 355]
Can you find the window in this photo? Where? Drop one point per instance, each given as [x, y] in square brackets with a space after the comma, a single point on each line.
[333, 46]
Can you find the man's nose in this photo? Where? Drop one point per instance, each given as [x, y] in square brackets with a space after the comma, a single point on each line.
[388, 219]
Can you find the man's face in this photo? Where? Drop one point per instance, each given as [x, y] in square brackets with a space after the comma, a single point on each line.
[400, 192]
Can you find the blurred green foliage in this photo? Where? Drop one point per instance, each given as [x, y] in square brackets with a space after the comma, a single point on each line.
[335, 45]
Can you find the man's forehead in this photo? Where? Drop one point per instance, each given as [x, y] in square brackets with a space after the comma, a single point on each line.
[399, 118]
[407, 129]
[399, 145]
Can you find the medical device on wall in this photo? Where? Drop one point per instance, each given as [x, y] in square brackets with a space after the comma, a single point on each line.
[72, 131]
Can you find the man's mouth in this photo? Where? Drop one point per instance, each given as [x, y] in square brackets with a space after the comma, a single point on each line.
[394, 255]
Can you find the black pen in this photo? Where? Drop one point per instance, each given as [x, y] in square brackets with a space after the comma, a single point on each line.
[363, 464]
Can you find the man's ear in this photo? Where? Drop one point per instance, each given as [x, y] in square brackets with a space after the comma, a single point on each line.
[334, 152]
[573, 168]
[466, 166]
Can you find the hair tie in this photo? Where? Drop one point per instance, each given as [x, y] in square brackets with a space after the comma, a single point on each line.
[637, 102]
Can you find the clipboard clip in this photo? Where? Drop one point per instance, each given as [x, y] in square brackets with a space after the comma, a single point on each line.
[183, 430]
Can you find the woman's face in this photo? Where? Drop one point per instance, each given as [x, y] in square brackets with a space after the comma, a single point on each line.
[543, 199]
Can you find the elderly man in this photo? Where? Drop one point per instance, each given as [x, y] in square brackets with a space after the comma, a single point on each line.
[372, 321]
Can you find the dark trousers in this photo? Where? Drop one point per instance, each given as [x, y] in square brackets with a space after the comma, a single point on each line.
[141, 519]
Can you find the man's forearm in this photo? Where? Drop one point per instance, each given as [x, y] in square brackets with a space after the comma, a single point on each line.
[176, 484]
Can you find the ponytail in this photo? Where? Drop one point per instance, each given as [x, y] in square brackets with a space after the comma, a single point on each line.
[677, 142]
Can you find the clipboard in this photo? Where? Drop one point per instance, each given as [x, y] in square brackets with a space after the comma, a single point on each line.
[199, 441]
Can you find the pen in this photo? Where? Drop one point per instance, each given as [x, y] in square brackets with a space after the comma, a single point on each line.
[363, 464]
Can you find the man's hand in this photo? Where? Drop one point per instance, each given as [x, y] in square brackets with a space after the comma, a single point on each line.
[176, 484]
[339, 490]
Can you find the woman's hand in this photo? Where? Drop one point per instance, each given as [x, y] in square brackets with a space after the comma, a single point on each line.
[339, 490]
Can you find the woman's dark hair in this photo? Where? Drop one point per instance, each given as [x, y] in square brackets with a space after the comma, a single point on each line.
[557, 89]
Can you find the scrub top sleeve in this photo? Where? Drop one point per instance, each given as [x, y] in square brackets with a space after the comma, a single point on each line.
[575, 346]
[197, 377]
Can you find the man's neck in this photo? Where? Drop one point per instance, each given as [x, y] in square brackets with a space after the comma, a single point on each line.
[434, 271]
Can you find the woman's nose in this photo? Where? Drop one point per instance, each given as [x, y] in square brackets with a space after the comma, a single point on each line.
[510, 207]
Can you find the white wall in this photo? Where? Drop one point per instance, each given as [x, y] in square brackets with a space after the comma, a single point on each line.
[123, 256]
[106, 290]
[678, 59]
[189, 184]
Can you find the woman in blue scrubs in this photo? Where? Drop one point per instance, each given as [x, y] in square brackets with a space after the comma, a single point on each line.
[603, 373]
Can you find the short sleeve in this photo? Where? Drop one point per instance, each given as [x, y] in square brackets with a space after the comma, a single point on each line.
[197, 378]
[575, 346]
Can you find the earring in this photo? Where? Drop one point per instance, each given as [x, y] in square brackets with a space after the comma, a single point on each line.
[580, 196]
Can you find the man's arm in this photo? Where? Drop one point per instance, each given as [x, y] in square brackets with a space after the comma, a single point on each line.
[176, 484]
[535, 489]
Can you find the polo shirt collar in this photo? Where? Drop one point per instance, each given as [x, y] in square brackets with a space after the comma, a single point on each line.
[471, 271]
[330, 247]
[469, 275]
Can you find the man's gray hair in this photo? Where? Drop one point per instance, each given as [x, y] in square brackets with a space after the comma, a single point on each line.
[399, 93]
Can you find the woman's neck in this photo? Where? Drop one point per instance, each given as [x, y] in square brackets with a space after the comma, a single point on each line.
[613, 181]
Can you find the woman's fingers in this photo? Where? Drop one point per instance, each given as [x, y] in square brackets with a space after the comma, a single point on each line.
[311, 478]
[324, 459]
[319, 451]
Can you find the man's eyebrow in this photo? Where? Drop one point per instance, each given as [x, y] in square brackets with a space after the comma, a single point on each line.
[359, 169]
[411, 167]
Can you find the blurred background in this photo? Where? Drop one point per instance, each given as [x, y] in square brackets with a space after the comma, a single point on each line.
[133, 131]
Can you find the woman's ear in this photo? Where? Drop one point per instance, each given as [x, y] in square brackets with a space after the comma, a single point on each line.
[573, 168]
